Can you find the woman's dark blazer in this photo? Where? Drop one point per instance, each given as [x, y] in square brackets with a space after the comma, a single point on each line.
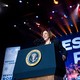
[58, 47]
[59, 51]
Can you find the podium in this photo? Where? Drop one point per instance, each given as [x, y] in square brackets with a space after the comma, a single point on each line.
[38, 63]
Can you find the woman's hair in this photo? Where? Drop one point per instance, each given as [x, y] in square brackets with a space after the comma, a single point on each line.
[49, 31]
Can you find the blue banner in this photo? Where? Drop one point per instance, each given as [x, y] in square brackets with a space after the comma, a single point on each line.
[72, 45]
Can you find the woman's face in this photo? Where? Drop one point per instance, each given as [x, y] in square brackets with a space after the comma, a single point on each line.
[45, 35]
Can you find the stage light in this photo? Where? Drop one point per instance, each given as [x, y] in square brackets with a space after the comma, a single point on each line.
[61, 27]
[78, 7]
[5, 5]
[74, 22]
[20, 1]
[74, 17]
[38, 4]
[38, 24]
[65, 16]
[52, 11]
[37, 16]
[50, 17]
[70, 6]
[24, 22]
[71, 25]
[67, 25]
[14, 25]
[29, 28]
[55, 2]
[27, 2]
